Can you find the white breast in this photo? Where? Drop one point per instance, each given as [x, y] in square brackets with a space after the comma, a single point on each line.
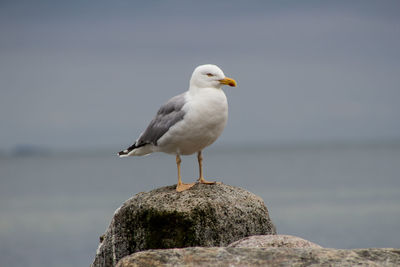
[205, 119]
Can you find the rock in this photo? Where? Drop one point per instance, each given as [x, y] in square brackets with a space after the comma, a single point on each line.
[205, 215]
[213, 256]
[269, 241]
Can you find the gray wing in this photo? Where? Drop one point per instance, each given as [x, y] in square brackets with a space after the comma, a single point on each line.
[168, 115]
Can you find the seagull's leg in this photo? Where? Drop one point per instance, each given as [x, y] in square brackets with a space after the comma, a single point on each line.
[201, 177]
[181, 186]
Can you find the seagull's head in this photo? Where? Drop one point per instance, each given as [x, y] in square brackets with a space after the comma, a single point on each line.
[210, 76]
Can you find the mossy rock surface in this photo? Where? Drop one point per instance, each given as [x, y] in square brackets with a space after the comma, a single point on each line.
[205, 215]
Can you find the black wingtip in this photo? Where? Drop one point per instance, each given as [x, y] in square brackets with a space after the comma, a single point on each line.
[121, 153]
[127, 151]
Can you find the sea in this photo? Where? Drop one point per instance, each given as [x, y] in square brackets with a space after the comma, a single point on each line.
[55, 205]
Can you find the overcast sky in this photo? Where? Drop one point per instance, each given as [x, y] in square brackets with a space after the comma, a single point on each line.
[93, 73]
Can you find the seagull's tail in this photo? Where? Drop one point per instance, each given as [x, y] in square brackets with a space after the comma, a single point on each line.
[136, 150]
[126, 152]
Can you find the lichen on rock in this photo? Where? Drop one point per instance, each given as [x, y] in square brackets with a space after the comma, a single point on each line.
[205, 215]
[273, 241]
[249, 257]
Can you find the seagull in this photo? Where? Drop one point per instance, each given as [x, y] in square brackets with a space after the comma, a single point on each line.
[189, 122]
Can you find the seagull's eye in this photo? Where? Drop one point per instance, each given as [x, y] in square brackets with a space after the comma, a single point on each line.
[210, 74]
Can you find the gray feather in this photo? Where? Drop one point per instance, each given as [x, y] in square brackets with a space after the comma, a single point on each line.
[168, 115]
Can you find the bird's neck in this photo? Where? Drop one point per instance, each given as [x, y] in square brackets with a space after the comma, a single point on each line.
[198, 90]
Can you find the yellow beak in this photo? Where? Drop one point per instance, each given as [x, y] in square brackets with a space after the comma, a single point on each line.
[228, 81]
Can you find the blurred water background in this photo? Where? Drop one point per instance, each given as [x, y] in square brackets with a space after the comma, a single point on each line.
[54, 207]
[313, 125]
